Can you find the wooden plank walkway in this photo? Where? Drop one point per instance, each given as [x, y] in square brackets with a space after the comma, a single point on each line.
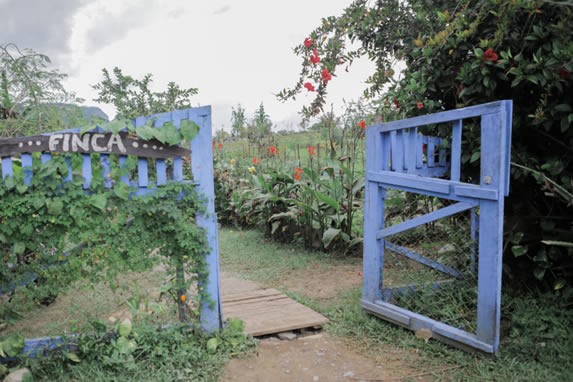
[265, 311]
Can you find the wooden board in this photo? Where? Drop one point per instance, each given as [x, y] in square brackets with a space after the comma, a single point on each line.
[268, 311]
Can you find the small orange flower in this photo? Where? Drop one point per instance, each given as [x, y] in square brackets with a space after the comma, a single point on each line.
[362, 124]
[182, 298]
[273, 150]
[256, 160]
[420, 105]
[220, 146]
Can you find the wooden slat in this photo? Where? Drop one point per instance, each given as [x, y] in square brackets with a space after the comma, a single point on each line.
[268, 311]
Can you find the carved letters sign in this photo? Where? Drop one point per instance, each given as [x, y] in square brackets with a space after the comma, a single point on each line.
[102, 143]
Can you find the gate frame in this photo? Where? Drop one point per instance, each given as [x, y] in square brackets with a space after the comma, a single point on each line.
[393, 160]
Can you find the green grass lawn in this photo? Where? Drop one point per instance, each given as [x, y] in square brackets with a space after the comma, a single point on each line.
[537, 343]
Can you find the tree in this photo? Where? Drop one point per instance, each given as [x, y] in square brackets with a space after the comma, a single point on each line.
[261, 123]
[30, 93]
[238, 121]
[464, 52]
[132, 97]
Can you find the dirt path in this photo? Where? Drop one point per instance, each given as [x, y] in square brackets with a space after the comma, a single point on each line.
[318, 357]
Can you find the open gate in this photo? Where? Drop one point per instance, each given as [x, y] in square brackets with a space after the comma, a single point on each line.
[401, 161]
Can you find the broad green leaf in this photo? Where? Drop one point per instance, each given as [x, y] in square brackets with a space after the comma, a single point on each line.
[519, 250]
[124, 328]
[236, 326]
[19, 248]
[539, 273]
[145, 132]
[475, 156]
[98, 200]
[72, 357]
[125, 345]
[12, 346]
[116, 126]
[121, 190]
[212, 345]
[329, 235]
[189, 129]
[21, 188]
[55, 206]
[169, 134]
[326, 200]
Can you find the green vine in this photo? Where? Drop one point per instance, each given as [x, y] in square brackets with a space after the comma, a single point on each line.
[110, 231]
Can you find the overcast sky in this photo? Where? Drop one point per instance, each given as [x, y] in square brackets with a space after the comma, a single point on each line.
[234, 51]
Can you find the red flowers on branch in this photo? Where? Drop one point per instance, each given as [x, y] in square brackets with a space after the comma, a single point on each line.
[220, 146]
[311, 151]
[325, 74]
[308, 42]
[314, 58]
[362, 124]
[309, 86]
[420, 105]
[490, 55]
[273, 150]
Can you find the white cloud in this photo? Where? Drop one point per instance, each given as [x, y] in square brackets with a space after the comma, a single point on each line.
[233, 54]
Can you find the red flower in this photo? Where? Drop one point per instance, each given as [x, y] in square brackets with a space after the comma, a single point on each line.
[311, 151]
[256, 160]
[308, 42]
[273, 150]
[420, 105]
[326, 76]
[309, 86]
[490, 55]
[314, 57]
[362, 124]
[297, 173]
[396, 103]
[220, 146]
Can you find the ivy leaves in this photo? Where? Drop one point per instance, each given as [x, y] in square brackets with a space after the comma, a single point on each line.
[167, 133]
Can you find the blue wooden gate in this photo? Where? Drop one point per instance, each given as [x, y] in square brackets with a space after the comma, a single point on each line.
[398, 157]
[201, 173]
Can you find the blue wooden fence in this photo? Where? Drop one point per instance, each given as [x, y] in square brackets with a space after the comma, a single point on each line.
[201, 173]
[399, 157]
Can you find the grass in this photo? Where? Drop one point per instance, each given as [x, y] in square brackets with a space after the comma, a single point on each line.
[537, 343]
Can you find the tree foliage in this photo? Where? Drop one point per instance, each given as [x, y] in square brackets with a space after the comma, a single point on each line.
[133, 97]
[31, 93]
[465, 52]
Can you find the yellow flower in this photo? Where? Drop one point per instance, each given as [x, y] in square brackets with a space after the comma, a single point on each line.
[232, 162]
[418, 42]
[252, 169]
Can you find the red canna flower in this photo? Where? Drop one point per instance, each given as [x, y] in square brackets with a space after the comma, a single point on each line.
[308, 42]
[396, 103]
[490, 55]
[314, 58]
[256, 160]
[220, 146]
[420, 105]
[309, 86]
[273, 150]
[326, 76]
[311, 150]
[362, 124]
[297, 173]
[182, 298]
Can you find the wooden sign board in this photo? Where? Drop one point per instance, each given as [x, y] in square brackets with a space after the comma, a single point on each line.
[101, 143]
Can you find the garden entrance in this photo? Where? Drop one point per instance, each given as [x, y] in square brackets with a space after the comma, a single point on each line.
[442, 226]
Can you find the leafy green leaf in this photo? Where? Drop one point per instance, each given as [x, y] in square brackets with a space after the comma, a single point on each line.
[329, 235]
[124, 328]
[98, 200]
[189, 129]
[213, 344]
[72, 357]
[519, 250]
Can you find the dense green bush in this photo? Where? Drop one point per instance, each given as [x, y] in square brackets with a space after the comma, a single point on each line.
[459, 53]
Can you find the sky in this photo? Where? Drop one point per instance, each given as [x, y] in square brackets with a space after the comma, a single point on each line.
[234, 52]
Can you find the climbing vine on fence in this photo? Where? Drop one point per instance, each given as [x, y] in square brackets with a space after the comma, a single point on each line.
[112, 231]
